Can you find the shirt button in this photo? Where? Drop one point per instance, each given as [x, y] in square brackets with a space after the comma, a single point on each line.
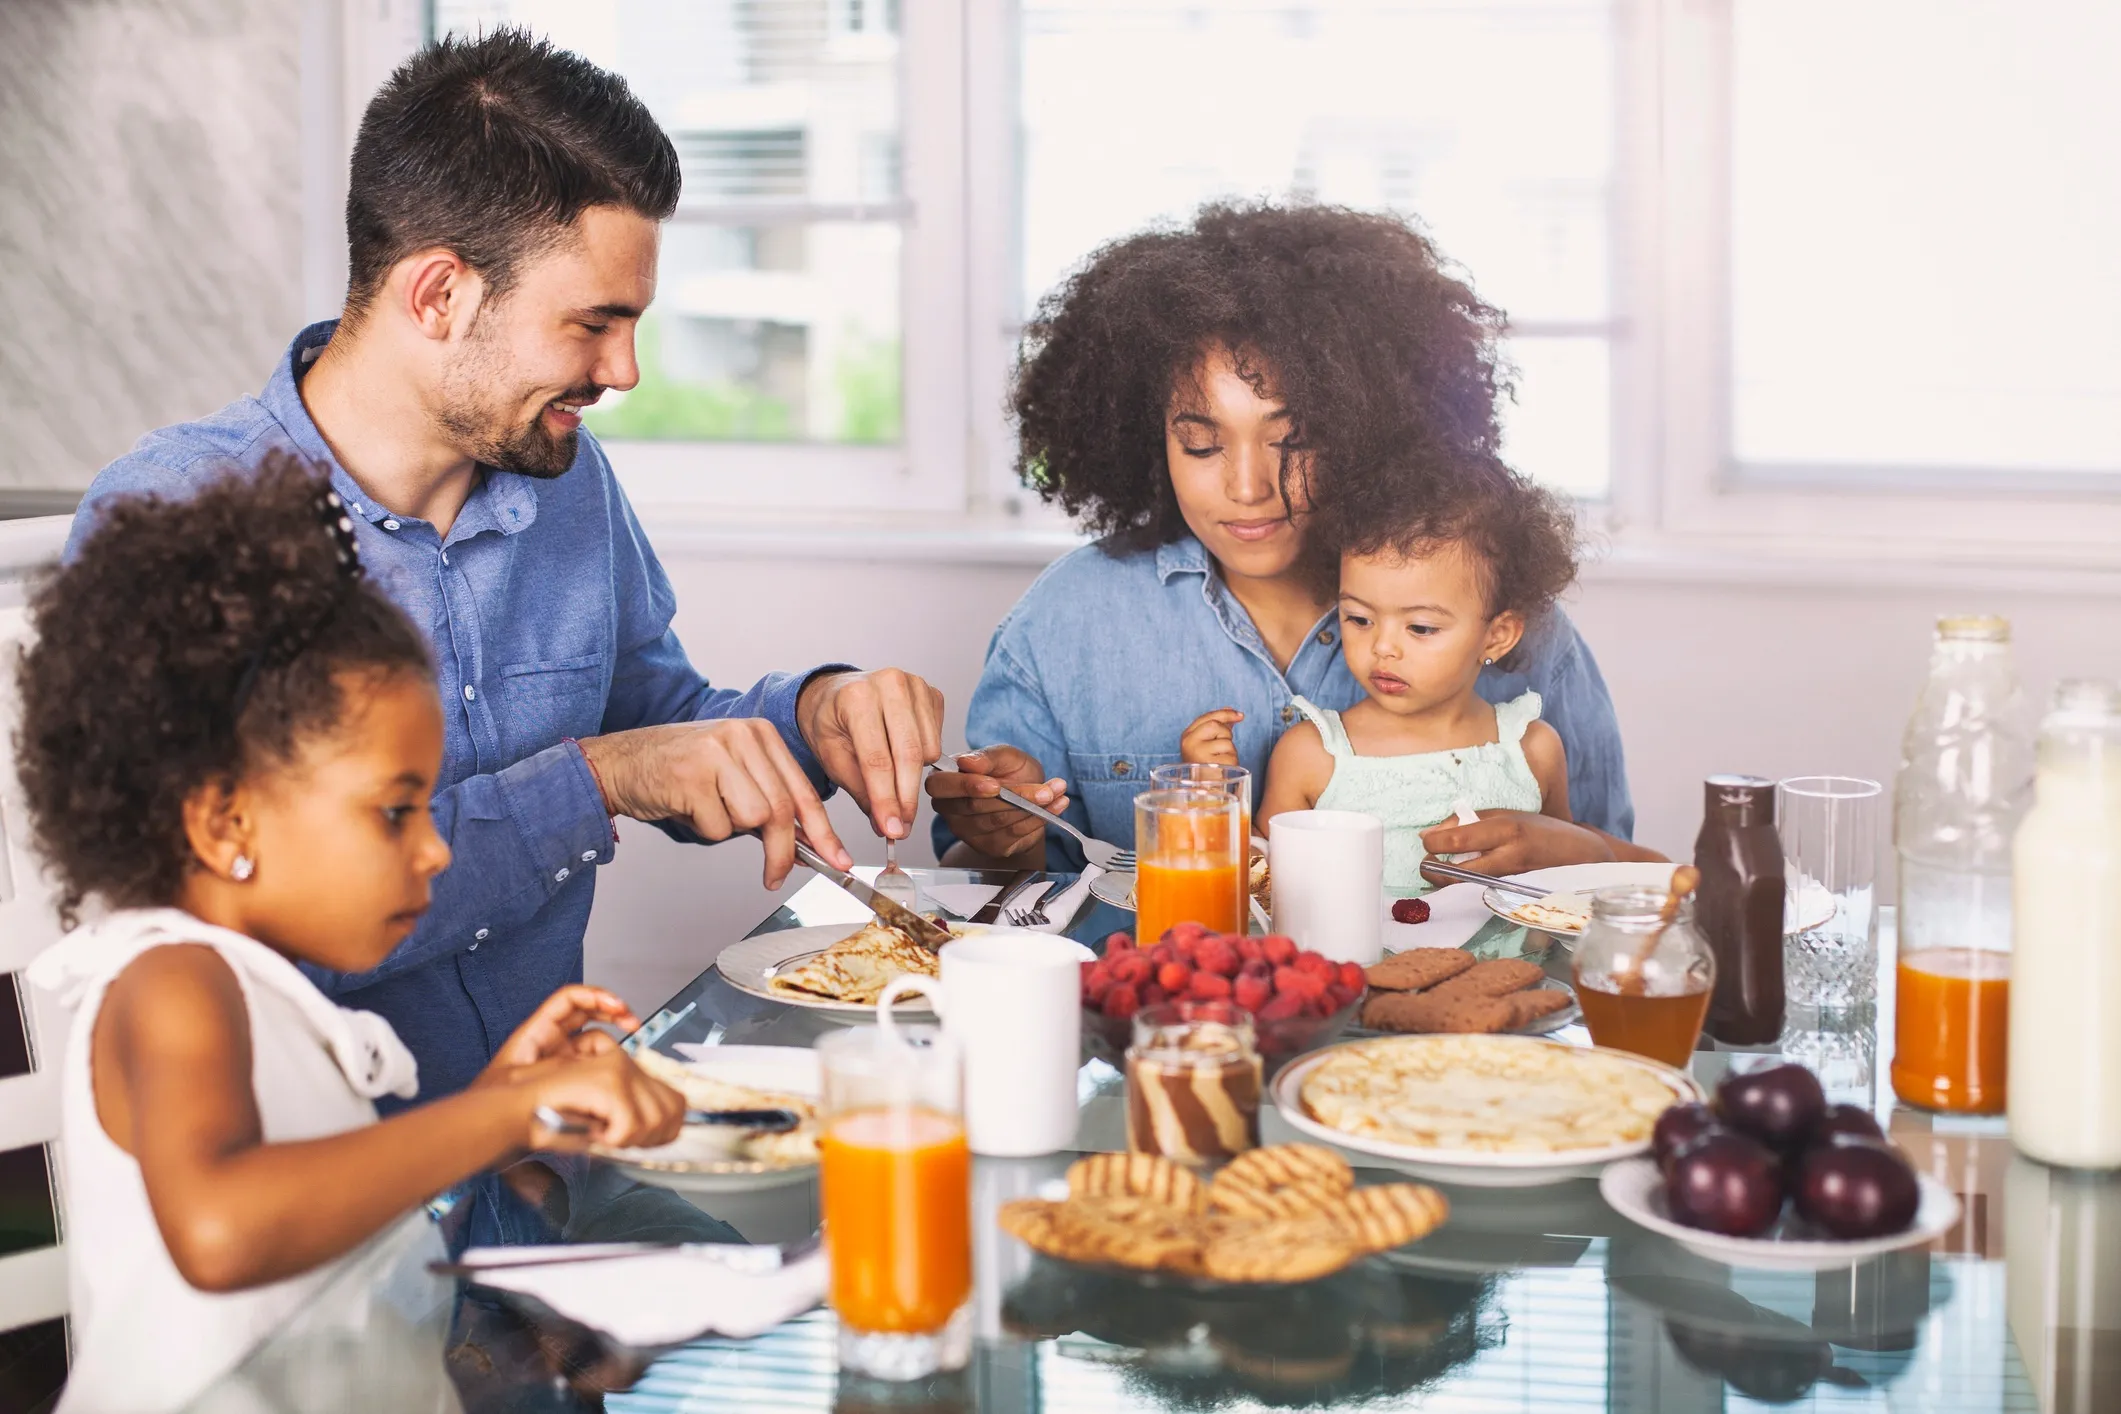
[589, 856]
[471, 694]
[473, 948]
[561, 877]
[390, 525]
[1122, 768]
[1325, 637]
[483, 934]
[445, 557]
[1288, 714]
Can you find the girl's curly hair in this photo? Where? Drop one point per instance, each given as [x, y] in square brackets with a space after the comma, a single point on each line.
[189, 642]
[1522, 537]
[1383, 359]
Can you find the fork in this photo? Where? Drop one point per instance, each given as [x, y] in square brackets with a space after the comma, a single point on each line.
[1109, 857]
[1033, 914]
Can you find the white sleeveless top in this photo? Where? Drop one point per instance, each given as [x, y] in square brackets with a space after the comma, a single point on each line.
[144, 1338]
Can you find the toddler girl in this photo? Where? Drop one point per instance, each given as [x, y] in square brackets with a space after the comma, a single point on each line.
[228, 740]
[1426, 600]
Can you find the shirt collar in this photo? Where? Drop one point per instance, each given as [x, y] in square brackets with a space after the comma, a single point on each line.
[503, 500]
[1184, 555]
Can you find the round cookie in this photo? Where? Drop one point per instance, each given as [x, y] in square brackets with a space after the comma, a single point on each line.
[1150, 1176]
[1296, 1250]
[1388, 1215]
[1280, 1181]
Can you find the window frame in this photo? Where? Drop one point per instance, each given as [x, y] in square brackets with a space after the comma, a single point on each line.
[1675, 487]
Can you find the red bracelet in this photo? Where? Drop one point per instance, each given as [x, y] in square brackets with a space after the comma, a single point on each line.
[602, 794]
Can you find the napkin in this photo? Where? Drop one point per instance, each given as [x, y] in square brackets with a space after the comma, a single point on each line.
[662, 1297]
[1062, 907]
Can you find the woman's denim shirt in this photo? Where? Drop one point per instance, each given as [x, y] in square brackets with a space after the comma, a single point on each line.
[1108, 657]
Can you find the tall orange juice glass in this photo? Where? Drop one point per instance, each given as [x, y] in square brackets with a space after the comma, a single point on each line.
[1237, 782]
[1951, 1014]
[896, 1191]
[1190, 845]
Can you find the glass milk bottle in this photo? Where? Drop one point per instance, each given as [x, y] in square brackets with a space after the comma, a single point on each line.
[2065, 993]
[1966, 773]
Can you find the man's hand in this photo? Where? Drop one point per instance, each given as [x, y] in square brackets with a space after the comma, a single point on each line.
[1512, 841]
[721, 778]
[1208, 741]
[969, 799]
[873, 733]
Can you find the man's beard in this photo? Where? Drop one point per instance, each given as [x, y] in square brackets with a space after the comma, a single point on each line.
[479, 425]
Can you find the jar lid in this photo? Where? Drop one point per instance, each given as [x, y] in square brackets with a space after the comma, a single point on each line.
[2084, 702]
[1636, 906]
[1973, 628]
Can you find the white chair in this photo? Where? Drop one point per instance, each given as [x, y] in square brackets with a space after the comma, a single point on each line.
[32, 1284]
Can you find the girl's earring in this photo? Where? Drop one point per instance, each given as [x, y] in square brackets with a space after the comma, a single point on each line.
[242, 869]
[1487, 662]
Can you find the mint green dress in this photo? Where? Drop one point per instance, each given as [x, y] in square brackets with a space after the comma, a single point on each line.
[1414, 793]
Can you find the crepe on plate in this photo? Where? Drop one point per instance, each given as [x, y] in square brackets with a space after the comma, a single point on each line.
[858, 967]
[1485, 1094]
[704, 1092]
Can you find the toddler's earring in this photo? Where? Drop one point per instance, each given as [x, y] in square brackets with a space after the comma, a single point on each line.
[242, 869]
[1487, 662]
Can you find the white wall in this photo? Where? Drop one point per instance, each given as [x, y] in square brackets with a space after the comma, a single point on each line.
[1779, 674]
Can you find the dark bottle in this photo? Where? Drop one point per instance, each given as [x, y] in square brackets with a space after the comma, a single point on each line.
[1739, 908]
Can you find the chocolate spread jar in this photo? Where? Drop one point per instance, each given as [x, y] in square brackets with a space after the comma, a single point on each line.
[1193, 1082]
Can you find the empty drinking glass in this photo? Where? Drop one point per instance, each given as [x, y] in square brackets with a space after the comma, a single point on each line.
[1829, 827]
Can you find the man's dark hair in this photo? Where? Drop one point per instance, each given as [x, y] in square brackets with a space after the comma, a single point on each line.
[492, 147]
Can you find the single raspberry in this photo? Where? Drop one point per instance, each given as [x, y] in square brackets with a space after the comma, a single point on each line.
[1281, 1008]
[1289, 982]
[1315, 964]
[1250, 950]
[1173, 976]
[1351, 977]
[1184, 934]
[1161, 954]
[1131, 966]
[1320, 1005]
[1258, 967]
[1122, 1002]
[1342, 994]
[1208, 987]
[1410, 910]
[1118, 942]
[1251, 993]
[1277, 949]
[1218, 957]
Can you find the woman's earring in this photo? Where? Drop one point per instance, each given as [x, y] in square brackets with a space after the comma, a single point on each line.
[242, 869]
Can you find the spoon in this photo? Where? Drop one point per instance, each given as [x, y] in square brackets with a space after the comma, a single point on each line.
[765, 1121]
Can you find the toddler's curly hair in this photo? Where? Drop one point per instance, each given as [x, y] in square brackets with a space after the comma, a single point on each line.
[190, 642]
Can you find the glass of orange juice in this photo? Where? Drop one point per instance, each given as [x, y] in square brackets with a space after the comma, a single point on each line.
[1237, 781]
[1951, 1013]
[895, 1181]
[1190, 867]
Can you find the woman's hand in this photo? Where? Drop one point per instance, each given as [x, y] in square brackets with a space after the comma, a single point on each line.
[969, 799]
[554, 1030]
[1512, 841]
[623, 1105]
[1208, 741]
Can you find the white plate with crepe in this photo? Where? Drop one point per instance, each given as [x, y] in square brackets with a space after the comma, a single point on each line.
[1484, 1111]
[1564, 909]
[772, 964]
[707, 1158]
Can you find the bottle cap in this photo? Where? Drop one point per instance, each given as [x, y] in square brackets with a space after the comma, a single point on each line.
[1740, 800]
[1973, 628]
[2084, 702]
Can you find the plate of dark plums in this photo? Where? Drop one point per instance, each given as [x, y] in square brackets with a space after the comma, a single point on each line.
[1769, 1175]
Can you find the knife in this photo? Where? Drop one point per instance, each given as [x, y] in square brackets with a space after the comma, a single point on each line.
[999, 904]
[894, 914]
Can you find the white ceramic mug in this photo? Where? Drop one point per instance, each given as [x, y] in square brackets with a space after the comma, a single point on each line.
[1328, 868]
[1013, 1002]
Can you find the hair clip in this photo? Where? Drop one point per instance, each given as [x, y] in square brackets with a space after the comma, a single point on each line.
[332, 511]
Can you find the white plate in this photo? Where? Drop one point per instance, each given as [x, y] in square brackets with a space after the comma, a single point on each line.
[751, 964]
[1636, 1192]
[1803, 910]
[698, 1160]
[1474, 1169]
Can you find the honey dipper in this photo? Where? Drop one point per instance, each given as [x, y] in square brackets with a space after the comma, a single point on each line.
[1684, 880]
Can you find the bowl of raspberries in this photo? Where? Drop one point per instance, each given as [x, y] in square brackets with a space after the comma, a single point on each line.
[1299, 1000]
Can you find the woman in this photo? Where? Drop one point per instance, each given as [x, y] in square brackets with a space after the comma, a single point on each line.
[1192, 396]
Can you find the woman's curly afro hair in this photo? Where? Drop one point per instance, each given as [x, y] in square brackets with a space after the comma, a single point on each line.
[160, 665]
[1385, 361]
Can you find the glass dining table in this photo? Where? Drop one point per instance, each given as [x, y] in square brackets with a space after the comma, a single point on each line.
[1540, 1299]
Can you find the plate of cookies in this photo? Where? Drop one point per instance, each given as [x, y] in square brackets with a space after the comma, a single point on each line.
[1488, 1111]
[1430, 991]
[1277, 1215]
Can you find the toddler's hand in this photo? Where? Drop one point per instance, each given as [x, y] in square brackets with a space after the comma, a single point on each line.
[555, 1028]
[621, 1103]
[1208, 741]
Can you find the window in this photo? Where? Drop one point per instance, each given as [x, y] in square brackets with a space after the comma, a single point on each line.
[1491, 124]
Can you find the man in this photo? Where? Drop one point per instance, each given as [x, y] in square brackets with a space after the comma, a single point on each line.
[503, 220]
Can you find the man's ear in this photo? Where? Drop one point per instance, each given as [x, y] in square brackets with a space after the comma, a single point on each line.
[1505, 631]
[439, 294]
[217, 825]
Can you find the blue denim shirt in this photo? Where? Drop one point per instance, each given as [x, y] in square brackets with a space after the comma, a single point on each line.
[1108, 657]
[549, 617]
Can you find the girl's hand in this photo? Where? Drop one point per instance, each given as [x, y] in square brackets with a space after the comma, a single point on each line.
[622, 1104]
[555, 1028]
[1208, 741]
